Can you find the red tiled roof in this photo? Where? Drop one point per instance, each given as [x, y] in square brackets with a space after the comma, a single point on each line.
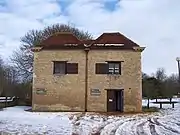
[60, 39]
[88, 42]
[114, 38]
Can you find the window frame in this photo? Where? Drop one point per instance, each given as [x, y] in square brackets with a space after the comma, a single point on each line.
[59, 62]
[114, 70]
[103, 68]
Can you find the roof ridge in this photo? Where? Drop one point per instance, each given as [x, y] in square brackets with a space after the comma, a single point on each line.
[61, 32]
[70, 33]
[57, 33]
[110, 32]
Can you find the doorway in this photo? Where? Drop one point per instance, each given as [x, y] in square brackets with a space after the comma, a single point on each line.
[115, 100]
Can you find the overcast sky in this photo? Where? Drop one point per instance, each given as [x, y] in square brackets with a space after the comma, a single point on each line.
[154, 24]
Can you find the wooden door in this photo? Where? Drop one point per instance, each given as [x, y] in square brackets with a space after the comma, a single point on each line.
[111, 101]
[119, 100]
[115, 100]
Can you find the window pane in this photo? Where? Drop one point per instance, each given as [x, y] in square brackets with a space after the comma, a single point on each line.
[116, 71]
[116, 66]
[111, 71]
[56, 69]
[111, 65]
[62, 68]
[111, 68]
[59, 67]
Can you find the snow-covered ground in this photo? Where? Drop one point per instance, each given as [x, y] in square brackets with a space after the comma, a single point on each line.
[14, 120]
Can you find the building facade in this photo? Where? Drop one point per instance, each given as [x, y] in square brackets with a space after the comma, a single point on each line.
[102, 76]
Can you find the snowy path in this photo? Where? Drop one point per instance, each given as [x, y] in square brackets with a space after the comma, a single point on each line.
[154, 124]
[15, 120]
[166, 122]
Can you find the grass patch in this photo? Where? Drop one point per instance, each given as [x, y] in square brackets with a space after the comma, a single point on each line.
[150, 109]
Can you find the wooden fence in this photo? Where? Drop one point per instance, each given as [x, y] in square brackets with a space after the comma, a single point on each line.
[8, 101]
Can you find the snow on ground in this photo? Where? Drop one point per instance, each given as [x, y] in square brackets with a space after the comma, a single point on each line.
[15, 120]
[165, 122]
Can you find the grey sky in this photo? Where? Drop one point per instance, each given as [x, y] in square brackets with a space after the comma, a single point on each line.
[154, 24]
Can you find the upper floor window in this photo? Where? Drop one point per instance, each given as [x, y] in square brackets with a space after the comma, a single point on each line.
[59, 67]
[113, 68]
[108, 68]
[62, 67]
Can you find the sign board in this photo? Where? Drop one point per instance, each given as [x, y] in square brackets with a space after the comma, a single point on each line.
[95, 92]
[41, 91]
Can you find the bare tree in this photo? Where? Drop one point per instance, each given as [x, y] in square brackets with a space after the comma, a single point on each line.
[2, 76]
[161, 77]
[23, 58]
[159, 85]
[171, 86]
[160, 74]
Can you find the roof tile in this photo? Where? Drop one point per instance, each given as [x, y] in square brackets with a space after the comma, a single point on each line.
[60, 39]
[114, 38]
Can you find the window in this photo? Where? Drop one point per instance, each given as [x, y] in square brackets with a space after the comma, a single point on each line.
[114, 68]
[108, 68]
[101, 68]
[62, 67]
[59, 67]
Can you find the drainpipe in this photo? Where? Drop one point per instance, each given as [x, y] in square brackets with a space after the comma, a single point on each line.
[86, 78]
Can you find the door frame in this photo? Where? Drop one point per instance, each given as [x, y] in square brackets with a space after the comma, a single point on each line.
[115, 109]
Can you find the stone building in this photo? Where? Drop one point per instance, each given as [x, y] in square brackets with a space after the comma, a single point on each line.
[101, 75]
